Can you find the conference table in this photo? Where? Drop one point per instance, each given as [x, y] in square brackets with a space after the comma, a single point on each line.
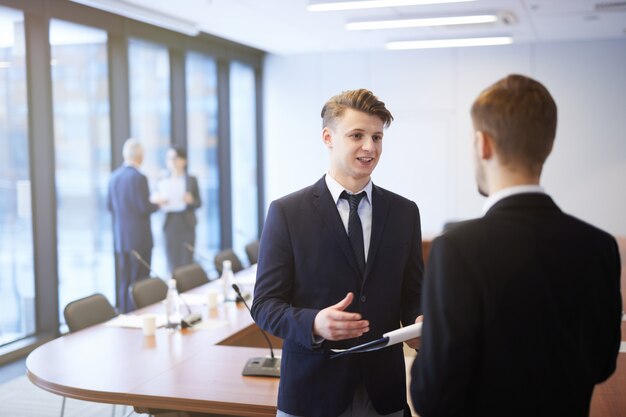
[198, 369]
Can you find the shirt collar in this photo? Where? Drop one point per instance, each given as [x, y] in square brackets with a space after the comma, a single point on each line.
[509, 191]
[131, 164]
[336, 189]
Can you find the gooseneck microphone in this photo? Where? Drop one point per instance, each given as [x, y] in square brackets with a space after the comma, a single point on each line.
[195, 253]
[260, 366]
[191, 318]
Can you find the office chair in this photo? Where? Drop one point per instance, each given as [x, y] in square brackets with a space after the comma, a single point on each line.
[148, 291]
[189, 276]
[88, 311]
[85, 312]
[252, 251]
[227, 254]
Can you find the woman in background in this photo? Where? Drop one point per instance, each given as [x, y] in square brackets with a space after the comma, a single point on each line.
[180, 193]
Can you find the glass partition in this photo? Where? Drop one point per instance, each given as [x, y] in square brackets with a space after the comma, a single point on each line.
[243, 156]
[82, 151]
[17, 284]
[202, 144]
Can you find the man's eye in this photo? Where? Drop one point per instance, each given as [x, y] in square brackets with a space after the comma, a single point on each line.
[377, 138]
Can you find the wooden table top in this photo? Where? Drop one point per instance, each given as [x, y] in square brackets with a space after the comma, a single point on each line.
[186, 370]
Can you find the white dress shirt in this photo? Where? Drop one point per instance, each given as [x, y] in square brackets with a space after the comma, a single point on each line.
[507, 192]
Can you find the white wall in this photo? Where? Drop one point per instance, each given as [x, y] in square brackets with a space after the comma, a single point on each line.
[427, 149]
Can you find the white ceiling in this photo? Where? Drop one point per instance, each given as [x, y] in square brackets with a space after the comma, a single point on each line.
[286, 27]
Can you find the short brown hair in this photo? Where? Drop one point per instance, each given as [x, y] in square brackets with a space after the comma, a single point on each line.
[520, 115]
[361, 100]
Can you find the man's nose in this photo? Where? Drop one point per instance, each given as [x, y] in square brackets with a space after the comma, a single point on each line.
[367, 144]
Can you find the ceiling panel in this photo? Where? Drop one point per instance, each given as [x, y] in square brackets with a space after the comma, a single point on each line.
[286, 27]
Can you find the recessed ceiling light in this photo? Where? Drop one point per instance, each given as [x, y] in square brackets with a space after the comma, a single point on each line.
[449, 43]
[371, 4]
[422, 22]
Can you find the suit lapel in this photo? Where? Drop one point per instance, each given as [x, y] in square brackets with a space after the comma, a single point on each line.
[327, 209]
[380, 208]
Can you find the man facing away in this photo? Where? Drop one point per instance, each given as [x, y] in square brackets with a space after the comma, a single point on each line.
[522, 307]
[128, 201]
[331, 276]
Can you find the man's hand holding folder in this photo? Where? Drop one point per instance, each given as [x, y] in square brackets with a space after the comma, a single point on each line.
[404, 334]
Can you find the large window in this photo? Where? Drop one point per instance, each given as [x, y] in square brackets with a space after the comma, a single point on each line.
[17, 293]
[202, 117]
[243, 156]
[82, 161]
[150, 123]
[67, 72]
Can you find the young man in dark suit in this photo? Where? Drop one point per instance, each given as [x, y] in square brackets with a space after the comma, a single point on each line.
[522, 307]
[340, 264]
[128, 201]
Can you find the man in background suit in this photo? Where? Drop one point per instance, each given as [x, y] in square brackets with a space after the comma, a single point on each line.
[522, 307]
[128, 201]
[326, 280]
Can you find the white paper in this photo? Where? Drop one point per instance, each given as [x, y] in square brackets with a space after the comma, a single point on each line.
[404, 333]
[172, 190]
[194, 299]
[390, 338]
[134, 321]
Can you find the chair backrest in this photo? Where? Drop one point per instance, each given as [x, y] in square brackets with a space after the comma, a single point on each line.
[148, 291]
[88, 311]
[227, 254]
[252, 250]
[189, 276]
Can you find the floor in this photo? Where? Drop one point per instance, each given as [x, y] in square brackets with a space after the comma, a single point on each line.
[12, 370]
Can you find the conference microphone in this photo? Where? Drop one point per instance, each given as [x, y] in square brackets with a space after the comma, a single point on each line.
[195, 253]
[191, 318]
[262, 366]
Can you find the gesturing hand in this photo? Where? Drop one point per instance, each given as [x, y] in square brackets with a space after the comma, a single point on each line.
[332, 323]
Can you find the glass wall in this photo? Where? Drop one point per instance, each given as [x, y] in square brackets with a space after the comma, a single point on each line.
[243, 144]
[17, 290]
[82, 148]
[65, 109]
[202, 122]
[150, 113]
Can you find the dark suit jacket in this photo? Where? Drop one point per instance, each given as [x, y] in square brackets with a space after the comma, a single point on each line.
[306, 264]
[522, 314]
[191, 186]
[128, 200]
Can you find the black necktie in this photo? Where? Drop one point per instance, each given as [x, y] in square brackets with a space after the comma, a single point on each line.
[355, 230]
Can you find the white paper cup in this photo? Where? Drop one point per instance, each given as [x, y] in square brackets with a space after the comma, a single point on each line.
[148, 324]
[212, 298]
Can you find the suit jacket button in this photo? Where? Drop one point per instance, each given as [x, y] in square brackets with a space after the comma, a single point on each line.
[363, 299]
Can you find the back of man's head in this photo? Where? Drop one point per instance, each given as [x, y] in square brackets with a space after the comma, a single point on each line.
[361, 100]
[132, 151]
[520, 115]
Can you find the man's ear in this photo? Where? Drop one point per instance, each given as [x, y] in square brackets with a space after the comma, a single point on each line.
[484, 145]
[327, 137]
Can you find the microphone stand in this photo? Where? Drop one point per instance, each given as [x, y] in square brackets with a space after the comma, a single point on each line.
[191, 318]
[194, 253]
[260, 366]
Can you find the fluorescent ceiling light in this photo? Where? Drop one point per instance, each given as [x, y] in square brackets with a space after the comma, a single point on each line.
[371, 4]
[412, 23]
[449, 43]
[143, 14]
